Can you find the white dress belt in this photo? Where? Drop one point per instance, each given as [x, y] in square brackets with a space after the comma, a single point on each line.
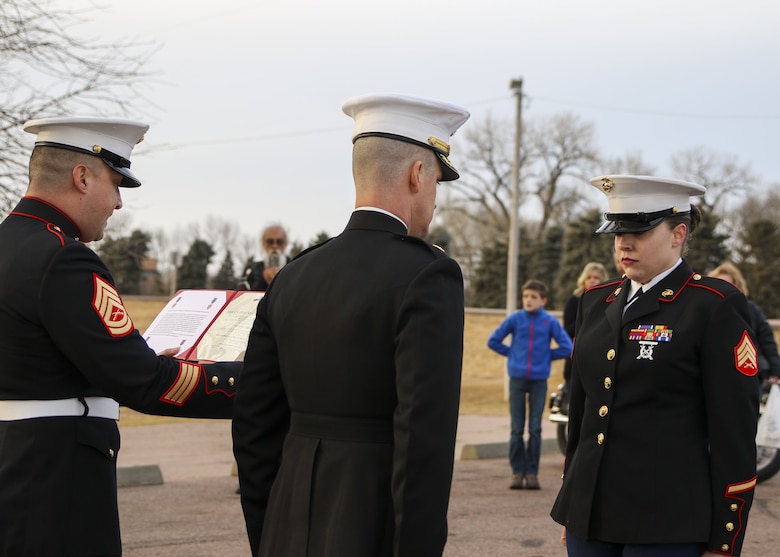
[99, 407]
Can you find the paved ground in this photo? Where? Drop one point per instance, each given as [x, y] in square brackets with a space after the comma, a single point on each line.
[196, 513]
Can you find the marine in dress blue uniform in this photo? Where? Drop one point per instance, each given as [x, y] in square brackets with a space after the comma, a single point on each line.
[69, 351]
[664, 403]
[344, 427]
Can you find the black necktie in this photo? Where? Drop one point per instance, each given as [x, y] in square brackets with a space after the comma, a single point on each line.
[636, 295]
[633, 298]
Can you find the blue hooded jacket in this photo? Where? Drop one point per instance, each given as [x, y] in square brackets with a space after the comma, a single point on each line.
[529, 353]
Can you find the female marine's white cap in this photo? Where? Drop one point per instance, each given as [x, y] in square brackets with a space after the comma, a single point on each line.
[639, 203]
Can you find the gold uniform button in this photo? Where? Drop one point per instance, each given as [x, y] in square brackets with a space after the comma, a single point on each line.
[729, 527]
[600, 439]
[611, 354]
[734, 507]
[231, 381]
[724, 547]
[214, 380]
[111, 453]
[607, 383]
[603, 411]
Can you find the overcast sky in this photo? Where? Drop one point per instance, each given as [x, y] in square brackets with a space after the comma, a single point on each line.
[248, 124]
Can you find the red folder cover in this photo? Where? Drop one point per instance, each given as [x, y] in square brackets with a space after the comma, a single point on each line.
[205, 324]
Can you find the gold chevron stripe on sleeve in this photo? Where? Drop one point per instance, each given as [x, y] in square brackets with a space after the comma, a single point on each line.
[108, 305]
[184, 386]
[744, 486]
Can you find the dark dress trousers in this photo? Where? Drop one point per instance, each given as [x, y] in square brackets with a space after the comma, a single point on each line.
[345, 420]
[662, 416]
[64, 334]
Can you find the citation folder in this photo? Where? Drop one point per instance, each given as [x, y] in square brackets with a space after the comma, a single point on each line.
[209, 325]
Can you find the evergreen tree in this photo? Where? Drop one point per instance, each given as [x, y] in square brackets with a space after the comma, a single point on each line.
[706, 247]
[124, 256]
[545, 263]
[225, 279]
[760, 264]
[489, 284]
[193, 272]
[319, 238]
[439, 236]
[297, 247]
[581, 245]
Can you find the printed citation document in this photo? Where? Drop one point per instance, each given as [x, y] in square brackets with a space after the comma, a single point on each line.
[205, 324]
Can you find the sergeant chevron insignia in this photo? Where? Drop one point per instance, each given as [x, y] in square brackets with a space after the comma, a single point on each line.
[108, 305]
[746, 356]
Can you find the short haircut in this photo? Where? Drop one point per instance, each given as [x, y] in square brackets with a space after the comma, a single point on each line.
[375, 156]
[537, 286]
[49, 166]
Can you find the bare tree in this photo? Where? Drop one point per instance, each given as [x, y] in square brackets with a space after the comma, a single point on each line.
[226, 235]
[47, 68]
[482, 194]
[723, 175]
[563, 153]
[556, 155]
[762, 204]
[630, 163]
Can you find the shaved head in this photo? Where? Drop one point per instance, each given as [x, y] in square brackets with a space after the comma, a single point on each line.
[50, 167]
[380, 160]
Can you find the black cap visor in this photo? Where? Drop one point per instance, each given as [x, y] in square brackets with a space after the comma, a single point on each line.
[128, 178]
[120, 165]
[634, 223]
[448, 172]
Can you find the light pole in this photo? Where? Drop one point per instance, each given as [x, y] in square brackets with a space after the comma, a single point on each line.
[514, 234]
[175, 262]
[511, 268]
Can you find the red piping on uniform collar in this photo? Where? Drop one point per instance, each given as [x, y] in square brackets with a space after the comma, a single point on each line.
[39, 200]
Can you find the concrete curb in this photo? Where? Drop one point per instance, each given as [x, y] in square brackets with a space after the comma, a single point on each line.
[131, 476]
[197, 449]
[478, 451]
[150, 474]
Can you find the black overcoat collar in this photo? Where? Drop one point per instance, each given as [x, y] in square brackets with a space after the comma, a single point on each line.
[374, 220]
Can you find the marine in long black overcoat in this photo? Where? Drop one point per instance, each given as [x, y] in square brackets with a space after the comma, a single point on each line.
[345, 420]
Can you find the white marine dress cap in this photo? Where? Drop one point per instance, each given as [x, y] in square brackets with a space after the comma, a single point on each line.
[426, 122]
[112, 140]
[640, 203]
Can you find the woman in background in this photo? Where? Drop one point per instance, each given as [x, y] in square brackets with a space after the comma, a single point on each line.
[768, 358]
[591, 275]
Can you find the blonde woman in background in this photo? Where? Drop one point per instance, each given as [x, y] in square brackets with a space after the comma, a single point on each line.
[592, 274]
[768, 358]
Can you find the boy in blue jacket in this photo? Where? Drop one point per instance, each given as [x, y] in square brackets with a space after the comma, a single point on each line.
[528, 364]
